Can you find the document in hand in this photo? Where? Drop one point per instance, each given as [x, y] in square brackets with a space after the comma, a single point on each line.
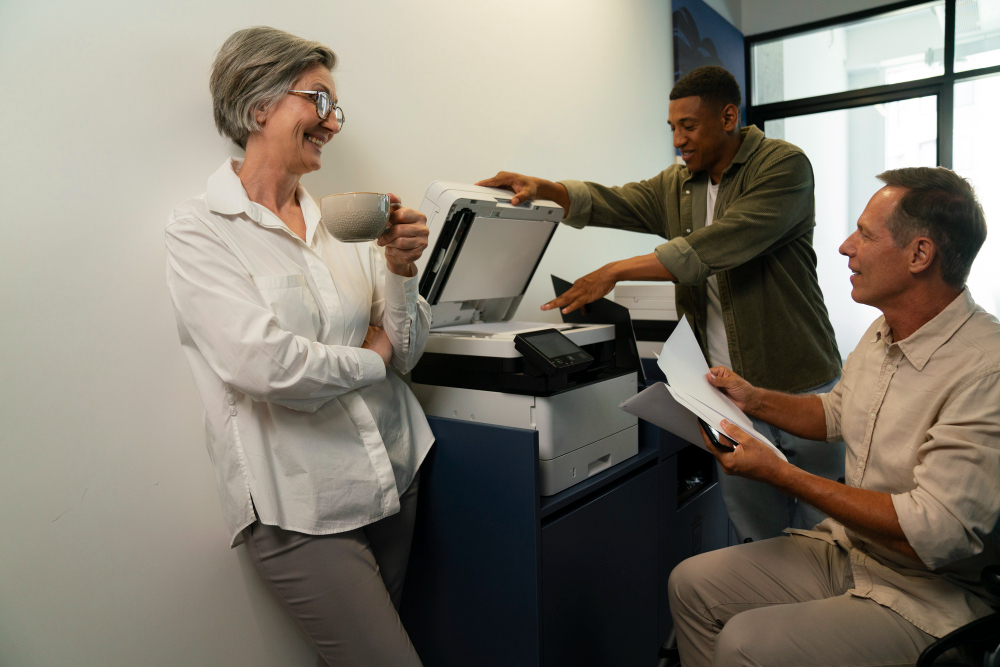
[688, 395]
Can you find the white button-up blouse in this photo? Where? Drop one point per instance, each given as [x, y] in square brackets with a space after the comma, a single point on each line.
[298, 415]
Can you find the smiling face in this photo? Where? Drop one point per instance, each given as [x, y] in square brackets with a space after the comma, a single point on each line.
[701, 131]
[880, 271]
[291, 132]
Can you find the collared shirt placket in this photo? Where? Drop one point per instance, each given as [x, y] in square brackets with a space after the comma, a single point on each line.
[357, 409]
[355, 406]
[888, 369]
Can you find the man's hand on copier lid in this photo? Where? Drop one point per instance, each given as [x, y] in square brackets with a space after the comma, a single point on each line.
[526, 188]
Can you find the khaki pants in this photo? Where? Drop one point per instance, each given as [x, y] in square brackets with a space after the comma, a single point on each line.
[343, 590]
[783, 602]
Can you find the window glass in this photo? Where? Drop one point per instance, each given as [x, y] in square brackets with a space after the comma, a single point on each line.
[977, 34]
[904, 45]
[975, 151]
[848, 148]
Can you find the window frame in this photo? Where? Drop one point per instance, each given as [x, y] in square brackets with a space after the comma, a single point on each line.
[943, 86]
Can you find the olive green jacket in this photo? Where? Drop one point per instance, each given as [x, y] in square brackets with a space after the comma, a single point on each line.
[759, 246]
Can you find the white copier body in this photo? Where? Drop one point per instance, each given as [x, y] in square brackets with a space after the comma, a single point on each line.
[481, 255]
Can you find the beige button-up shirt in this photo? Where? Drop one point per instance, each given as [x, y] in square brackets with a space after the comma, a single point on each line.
[921, 419]
[297, 415]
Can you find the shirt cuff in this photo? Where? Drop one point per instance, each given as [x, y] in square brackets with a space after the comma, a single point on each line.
[580, 204]
[400, 290]
[371, 368]
[680, 259]
[833, 433]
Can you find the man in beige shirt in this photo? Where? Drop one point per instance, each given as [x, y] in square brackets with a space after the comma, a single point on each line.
[898, 562]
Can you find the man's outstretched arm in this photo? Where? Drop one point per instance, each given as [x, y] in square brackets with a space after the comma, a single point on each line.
[593, 286]
[526, 188]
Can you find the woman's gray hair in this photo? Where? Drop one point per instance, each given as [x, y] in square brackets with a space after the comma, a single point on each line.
[254, 69]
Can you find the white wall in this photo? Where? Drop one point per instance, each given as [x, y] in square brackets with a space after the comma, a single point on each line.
[112, 545]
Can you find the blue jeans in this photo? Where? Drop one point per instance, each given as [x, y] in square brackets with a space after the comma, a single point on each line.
[758, 510]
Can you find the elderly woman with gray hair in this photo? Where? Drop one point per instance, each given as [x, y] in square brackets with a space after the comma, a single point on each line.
[290, 335]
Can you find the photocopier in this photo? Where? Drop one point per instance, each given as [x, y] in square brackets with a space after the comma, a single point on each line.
[563, 380]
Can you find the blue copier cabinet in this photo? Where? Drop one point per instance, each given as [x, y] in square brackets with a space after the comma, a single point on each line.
[501, 576]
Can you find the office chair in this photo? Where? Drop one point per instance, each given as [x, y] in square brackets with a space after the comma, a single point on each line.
[976, 644]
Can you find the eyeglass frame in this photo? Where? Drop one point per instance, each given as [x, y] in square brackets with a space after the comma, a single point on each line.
[315, 96]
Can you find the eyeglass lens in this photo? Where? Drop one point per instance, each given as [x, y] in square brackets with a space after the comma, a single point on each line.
[323, 105]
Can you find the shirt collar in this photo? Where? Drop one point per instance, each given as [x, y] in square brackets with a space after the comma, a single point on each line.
[227, 196]
[225, 191]
[925, 341]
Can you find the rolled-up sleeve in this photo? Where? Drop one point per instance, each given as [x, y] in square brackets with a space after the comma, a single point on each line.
[776, 207]
[400, 310]
[955, 505]
[240, 338]
[832, 403]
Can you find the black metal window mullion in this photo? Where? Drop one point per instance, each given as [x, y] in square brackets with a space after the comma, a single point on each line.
[946, 100]
[941, 86]
[850, 99]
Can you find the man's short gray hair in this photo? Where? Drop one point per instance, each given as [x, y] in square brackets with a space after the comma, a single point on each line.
[254, 69]
[942, 206]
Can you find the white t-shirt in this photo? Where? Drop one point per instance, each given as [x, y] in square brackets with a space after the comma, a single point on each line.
[718, 343]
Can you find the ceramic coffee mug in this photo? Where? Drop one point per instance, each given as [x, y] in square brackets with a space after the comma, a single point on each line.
[354, 217]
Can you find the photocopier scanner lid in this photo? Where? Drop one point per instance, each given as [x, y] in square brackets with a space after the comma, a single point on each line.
[482, 251]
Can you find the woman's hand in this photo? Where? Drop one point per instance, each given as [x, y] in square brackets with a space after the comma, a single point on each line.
[405, 239]
[377, 341]
[739, 391]
[751, 458]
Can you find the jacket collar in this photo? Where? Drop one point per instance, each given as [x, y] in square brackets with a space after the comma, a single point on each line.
[752, 138]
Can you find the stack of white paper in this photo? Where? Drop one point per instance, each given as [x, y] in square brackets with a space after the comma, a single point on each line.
[676, 406]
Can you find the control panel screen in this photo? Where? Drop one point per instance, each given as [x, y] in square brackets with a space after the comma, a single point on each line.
[554, 344]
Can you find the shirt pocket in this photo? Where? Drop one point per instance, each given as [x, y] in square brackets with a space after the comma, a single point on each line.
[292, 303]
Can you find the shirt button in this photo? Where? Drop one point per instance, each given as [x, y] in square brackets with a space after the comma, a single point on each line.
[688, 230]
[872, 415]
[687, 192]
[231, 399]
[232, 412]
[229, 389]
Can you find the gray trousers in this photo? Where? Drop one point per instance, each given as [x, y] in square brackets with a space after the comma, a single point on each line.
[759, 511]
[343, 590]
[783, 602]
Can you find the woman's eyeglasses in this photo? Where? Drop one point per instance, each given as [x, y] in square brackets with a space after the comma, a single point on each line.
[324, 104]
